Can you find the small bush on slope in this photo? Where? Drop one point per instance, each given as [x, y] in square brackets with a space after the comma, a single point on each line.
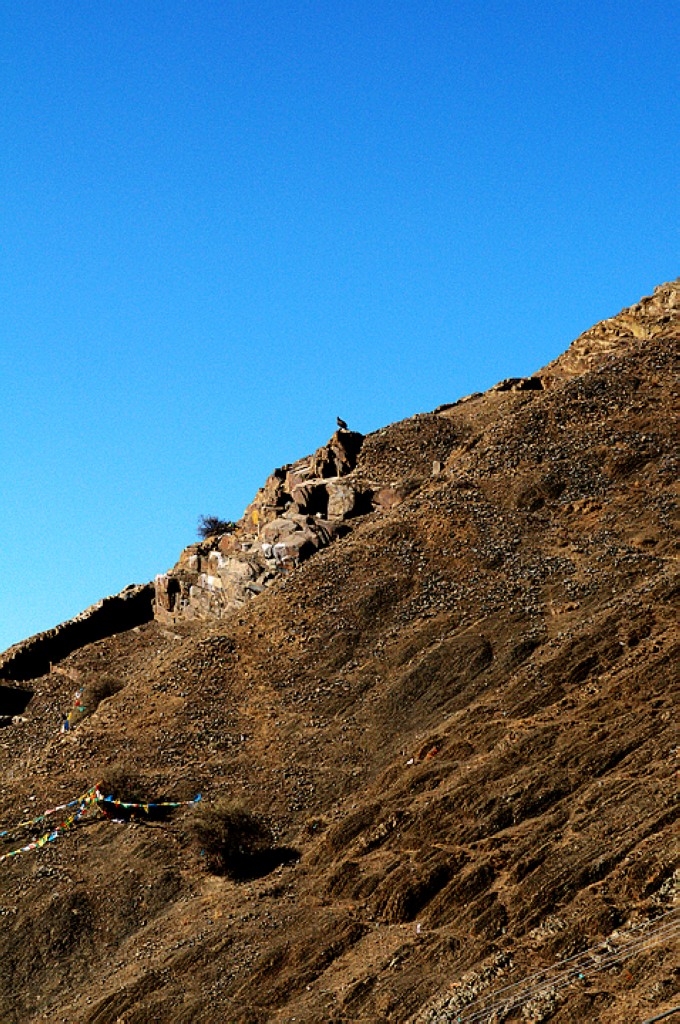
[230, 836]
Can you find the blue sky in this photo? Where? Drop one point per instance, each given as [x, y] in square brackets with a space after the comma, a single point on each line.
[222, 224]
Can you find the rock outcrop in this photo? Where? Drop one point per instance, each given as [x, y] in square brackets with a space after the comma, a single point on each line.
[31, 658]
[301, 508]
[305, 506]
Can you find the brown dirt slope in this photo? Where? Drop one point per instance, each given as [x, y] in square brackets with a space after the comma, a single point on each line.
[460, 716]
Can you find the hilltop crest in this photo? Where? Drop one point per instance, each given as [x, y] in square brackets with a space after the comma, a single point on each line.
[647, 319]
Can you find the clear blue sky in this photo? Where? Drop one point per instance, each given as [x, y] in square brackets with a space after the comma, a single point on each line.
[223, 223]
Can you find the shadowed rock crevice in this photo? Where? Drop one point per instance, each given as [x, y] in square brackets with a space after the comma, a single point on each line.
[13, 701]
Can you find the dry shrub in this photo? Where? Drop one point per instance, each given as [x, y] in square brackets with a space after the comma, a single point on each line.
[213, 526]
[230, 836]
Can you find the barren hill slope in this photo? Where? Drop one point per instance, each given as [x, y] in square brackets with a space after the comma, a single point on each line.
[459, 715]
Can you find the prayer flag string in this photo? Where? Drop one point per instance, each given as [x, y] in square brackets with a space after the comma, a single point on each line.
[87, 801]
[47, 814]
[93, 798]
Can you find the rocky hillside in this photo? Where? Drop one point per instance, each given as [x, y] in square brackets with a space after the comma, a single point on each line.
[449, 690]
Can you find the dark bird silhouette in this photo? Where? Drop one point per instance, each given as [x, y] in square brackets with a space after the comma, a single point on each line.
[342, 424]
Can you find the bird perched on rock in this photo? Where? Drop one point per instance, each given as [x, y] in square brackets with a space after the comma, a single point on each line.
[341, 424]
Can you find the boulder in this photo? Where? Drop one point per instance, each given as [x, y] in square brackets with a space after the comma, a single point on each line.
[339, 456]
[231, 568]
[279, 529]
[230, 544]
[311, 498]
[326, 532]
[295, 549]
[346, 500]
[299, 473]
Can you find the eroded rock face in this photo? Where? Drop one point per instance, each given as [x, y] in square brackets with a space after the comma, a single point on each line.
[215, 583]
[300, 509]
[339, 456]
[519, 384]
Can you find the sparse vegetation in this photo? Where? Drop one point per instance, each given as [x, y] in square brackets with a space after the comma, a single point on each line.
[230, 836]
[212, 526]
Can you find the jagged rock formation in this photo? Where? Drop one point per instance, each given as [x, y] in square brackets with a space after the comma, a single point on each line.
[460, 714]
[301, 509]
